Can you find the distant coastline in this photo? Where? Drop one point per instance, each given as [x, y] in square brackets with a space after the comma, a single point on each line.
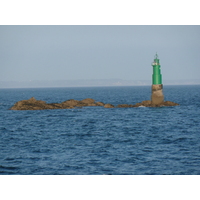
[90, 83]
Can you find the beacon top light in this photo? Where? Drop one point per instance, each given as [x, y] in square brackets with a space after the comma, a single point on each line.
[156, 60]
[156, 77]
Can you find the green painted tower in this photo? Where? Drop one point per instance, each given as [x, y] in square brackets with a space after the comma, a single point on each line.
[157, 76]
[157, 96]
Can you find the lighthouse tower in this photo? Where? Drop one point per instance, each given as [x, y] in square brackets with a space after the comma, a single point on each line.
[157, 96]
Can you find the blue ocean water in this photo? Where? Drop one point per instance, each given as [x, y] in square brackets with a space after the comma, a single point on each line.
[97, 140]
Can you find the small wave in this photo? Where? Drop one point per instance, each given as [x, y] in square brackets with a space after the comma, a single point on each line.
[9, 168]
[182, 139]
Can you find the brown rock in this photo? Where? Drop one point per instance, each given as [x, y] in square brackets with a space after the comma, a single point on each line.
[146, 103]
[99, 104]
[170, 103]
[138, 104]
[125, 106]
[76, 103]
[54, 106]
[88, 101]
[150, 104]
[70, 103]
[91, 104]
[31, 104]
[108, 105]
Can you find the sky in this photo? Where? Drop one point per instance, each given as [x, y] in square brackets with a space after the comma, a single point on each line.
[49, 53]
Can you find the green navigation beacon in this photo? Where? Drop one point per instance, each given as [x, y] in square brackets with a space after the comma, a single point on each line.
[157, 76]
[157, 96]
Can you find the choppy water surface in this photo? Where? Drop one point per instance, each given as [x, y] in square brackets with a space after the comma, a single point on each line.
[96, 140]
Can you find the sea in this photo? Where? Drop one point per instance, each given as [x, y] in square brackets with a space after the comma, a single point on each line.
[98, 140]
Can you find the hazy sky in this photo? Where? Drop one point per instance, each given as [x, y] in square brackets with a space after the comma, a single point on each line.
[98, 52]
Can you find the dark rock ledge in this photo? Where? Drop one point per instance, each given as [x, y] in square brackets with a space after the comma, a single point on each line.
[33, 104]
[148, 103]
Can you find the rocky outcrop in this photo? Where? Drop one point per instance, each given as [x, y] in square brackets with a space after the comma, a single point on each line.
[148, 103]
[33, 104]
[165, 103]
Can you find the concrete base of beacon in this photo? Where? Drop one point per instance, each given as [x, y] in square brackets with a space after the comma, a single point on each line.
[157, 96]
